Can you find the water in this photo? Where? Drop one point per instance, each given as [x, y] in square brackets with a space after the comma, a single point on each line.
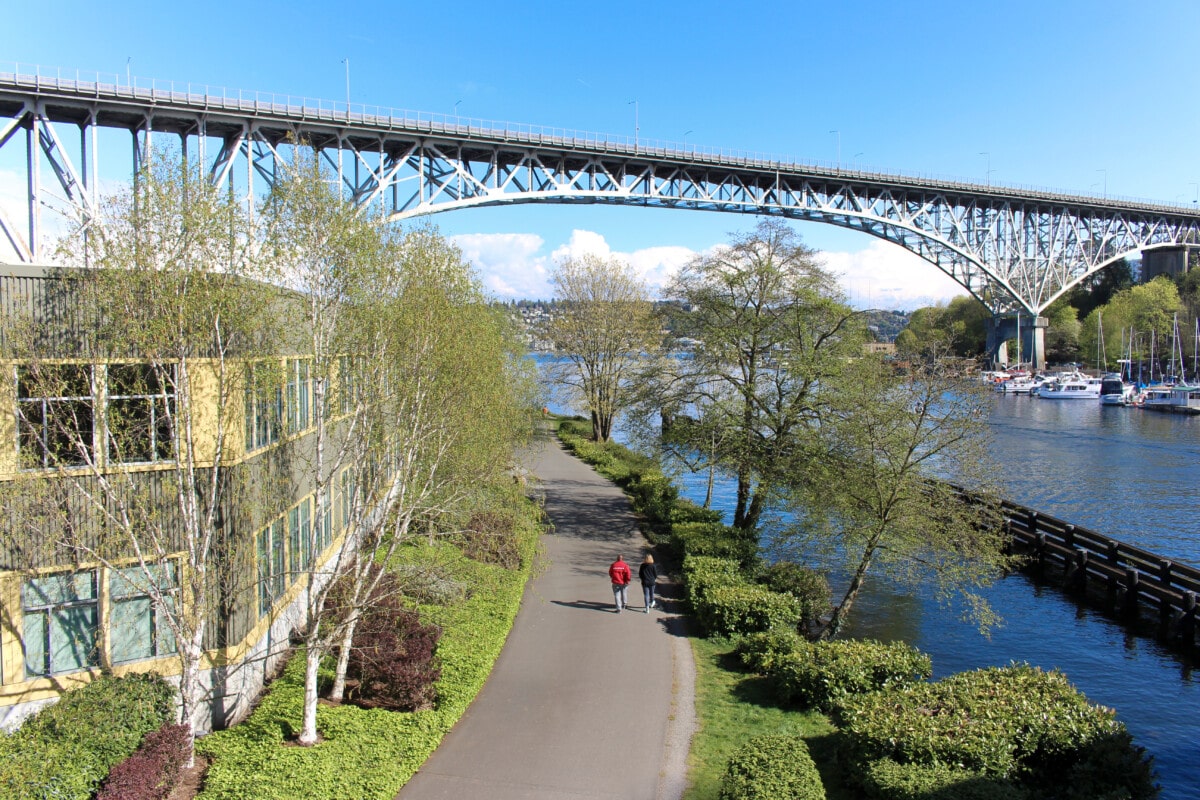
[1124, 472]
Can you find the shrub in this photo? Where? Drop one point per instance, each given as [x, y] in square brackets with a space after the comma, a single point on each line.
[490, 538]
[653, 496]
[1015, 722]
[685, 510]
[824, 674]
[702, 573]
[808, 586]
[886, 780]
[746, 608]
[67, 749]
[772, 767]
[392, 662]
[153, 770]
[715, 540]
[758, 651]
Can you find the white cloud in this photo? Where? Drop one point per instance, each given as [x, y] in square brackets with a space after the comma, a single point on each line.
[887, 276]
[517, 265]
[508, 263]
[654, 265]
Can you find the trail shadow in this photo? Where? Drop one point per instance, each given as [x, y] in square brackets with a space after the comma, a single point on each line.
[585, 605]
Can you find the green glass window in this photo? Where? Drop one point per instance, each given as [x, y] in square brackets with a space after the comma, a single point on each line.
[271, 577]
[140, 405]
[60, 619]
[300, 537]
[137, 627]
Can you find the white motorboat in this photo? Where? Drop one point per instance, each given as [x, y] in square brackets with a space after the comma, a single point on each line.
[1071, 389]
[1015, 385]
[1114, 391]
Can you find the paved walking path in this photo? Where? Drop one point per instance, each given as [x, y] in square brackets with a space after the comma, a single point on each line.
[583, 702]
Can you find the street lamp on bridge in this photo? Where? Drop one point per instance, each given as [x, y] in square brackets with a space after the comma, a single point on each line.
[987, 176]
[636, 125]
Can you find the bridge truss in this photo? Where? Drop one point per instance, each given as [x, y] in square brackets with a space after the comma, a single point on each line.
[1015, 250]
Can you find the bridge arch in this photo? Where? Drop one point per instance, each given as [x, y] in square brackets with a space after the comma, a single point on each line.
[1014, 249]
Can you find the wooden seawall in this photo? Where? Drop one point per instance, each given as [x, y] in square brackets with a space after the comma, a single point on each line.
[1133, 582]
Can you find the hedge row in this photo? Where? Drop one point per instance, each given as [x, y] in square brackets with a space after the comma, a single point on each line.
[68, 748]
[998, 727]
[825, 674]
[372, 753]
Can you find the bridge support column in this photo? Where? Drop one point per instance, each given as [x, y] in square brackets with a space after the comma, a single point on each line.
[1033, 339]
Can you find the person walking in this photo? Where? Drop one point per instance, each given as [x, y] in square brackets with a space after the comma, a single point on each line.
[648, 575]
[620, 575]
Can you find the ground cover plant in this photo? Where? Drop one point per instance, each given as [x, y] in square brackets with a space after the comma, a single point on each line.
[371, 753]
[68, 748]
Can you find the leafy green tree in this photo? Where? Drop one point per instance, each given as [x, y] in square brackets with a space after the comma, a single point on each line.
[1148, 310]
[959, 327]
[866, 481]
[415, 400]
[604, 328]
[1062, 332]
[772, 329]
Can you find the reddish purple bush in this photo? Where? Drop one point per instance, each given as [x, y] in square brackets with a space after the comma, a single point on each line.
[152, 771]
[392, 664]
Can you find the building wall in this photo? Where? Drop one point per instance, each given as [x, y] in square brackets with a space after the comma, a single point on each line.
[266, 489]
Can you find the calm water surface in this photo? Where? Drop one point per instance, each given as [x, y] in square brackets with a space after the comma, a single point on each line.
[1125, 472]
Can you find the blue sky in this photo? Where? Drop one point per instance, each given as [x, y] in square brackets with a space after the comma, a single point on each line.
[1086, 96]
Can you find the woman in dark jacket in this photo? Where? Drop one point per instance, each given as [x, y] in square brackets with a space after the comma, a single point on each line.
[648, 574]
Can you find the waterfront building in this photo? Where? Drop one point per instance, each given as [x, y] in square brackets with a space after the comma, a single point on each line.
[76, 601]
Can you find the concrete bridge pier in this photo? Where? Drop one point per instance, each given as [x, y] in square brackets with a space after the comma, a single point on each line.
[1033, 339]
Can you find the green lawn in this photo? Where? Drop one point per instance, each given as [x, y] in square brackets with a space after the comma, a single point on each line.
[733, 706]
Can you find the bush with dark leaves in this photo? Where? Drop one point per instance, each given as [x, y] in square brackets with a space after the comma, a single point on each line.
[393, 661]
[153, 770]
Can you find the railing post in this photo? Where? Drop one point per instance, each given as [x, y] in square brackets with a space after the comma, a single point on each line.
[1164, 579]
[1131, 590]
[1069, 535]
[1079, 577]
[1187, 622]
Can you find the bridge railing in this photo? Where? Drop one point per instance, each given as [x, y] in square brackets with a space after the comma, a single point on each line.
[213, 97]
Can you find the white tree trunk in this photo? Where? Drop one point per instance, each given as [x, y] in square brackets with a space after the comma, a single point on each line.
[343, 662]
[312, 660]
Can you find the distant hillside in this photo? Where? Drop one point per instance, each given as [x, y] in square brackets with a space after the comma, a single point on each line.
[886, 324]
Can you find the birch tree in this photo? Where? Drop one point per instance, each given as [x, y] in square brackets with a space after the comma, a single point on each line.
[395, 359]
[130, 467]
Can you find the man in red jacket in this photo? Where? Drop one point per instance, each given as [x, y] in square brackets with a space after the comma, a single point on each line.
[620, 575]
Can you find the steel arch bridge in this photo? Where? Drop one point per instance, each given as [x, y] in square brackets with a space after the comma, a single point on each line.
[1016, 250]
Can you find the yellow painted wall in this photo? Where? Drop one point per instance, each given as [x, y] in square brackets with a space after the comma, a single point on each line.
[205, 409]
